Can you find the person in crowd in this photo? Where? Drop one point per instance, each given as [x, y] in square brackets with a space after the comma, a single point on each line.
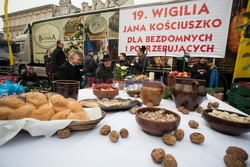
[47, 61]
[201, 70]
[58, 57]
[69, 70]
[89, 67]
[29, 78]
[122, 60]
[139, 63]
[104, 72]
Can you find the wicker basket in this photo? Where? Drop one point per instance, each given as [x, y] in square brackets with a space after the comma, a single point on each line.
[76, 125]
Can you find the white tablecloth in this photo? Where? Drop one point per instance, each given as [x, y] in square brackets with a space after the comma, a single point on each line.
[90, 149]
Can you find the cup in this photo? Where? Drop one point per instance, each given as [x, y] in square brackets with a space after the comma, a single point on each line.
[67, 88]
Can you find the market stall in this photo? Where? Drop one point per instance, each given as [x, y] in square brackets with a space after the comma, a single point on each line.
[91, 149]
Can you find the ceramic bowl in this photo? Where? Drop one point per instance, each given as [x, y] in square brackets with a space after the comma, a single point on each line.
[156, 128]
[226, 126]
[101, 91]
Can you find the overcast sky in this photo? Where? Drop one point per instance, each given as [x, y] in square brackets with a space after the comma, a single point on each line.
[17, 5]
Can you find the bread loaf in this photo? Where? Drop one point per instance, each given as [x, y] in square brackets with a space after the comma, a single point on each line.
[58, 102]
[61, 115]
[43, 113]
[13, 102]
[35, 98]
[21, 112]
[4, 112]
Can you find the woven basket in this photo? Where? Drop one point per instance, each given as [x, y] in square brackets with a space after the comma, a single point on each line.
[76, 125]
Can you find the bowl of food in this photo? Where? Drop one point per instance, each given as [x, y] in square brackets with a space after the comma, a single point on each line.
[105, 91]
[157, 121]
[227, 122]
[133, 90]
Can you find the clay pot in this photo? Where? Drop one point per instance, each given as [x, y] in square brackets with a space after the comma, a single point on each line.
[152, 92]
[189, 93]
[67, 88]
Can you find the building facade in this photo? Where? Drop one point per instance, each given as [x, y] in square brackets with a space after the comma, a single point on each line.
[18, 20]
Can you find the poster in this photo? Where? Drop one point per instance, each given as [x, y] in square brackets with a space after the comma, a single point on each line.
[198, 27]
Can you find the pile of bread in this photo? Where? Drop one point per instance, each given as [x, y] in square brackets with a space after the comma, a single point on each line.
[42, 107]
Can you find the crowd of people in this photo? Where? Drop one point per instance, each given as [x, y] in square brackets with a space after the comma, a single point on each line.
[60, 67]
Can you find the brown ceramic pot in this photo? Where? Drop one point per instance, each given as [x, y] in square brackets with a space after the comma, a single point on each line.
[67, 88]
[189, 93]
[152, 92]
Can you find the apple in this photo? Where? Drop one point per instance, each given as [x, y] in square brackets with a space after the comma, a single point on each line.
[185, 76]
[171, 73]
[185, 73]
[175, 73]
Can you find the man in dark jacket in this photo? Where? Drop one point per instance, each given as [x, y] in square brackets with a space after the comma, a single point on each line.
[89, 67]
[104, 71]
[58, 57]
[123, 61]
[69, 70]
[201, 70]
[139, 63]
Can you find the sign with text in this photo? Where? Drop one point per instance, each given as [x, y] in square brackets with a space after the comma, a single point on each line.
[199, 27]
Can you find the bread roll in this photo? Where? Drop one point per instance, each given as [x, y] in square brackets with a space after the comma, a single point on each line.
[58, 102]
[37, 99]
[43, 113]
[21, 112]
[71, 100]
[13, 102]
[4, 112]
[79, 116]
[61, 115]
[75, 107]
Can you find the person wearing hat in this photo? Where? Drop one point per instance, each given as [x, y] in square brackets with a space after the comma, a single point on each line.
[139, 63]
[89, 66]
[201, 70]
[104, 71]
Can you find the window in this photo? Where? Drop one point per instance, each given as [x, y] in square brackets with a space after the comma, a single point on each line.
[17, 48]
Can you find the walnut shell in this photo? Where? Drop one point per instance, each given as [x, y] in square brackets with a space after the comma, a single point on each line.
[193, 124]
[179, 134]
[114, 136]
[157, 155]
[150, 104]
[169, 139]
[64, 133]
[180, 108]
[199, 110]
[105, 130]
[237, 151]
[215, 104]
[197, 138]
[124, 133]
[132, 110]
[233, 161]
[210, 105]
[169, 161]
[185, 111]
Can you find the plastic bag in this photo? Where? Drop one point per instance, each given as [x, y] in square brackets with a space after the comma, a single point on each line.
[10, 89]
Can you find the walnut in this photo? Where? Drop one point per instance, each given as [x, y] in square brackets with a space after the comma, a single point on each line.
[157, 155]
[169, 139]
[215, 104]
[105, 130]
[179, 134]
[233, 161]
[169, 161]
[124, 133]
[135, 96]
[185, 111]
[132, 110]
[199, 110]
[150, 104]
[210, 105]
[64, 133]
[193, 124]
[180, 108]
[114, 136]
[197, 138]
[237, 151]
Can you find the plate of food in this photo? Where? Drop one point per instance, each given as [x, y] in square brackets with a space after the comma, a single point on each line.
[110, 105]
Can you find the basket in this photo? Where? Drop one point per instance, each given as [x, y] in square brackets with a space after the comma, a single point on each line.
[77, 125]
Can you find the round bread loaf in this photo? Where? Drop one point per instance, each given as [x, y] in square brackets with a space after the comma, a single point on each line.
[43, 113]
[35, 98]
[4, 112]
[58, 102]
[75, 107]
[79, 116]
[61, 115]
[21, 112]
[13, 102]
